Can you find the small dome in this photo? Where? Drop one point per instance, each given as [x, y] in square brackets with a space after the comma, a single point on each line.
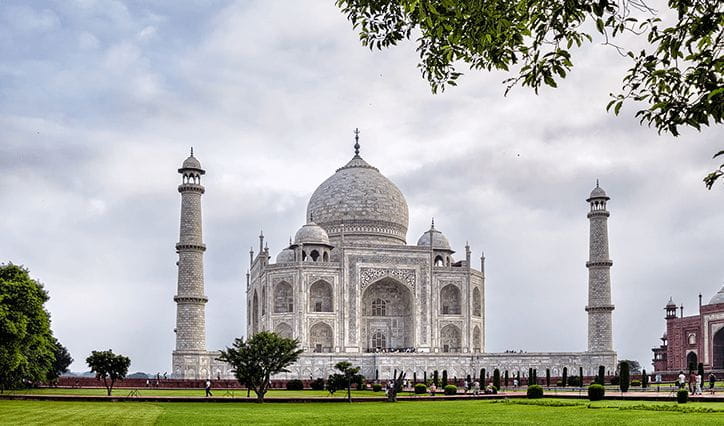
[439, 241]
[286, 256]
[311, 233]
[598, 192]
[718, 298]
[191, 163]
[671, 303]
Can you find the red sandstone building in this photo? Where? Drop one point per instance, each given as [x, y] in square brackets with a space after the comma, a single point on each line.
[691, 340]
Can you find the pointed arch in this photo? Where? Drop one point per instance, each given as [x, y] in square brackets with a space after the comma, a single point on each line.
[477, 302]
[284, 330]
[477, 339]
[321, 338]
[321, 298]
[283, 298]
[450, 300]
[450, 338]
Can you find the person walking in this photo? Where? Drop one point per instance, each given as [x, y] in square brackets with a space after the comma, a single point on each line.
[682, 380]
[712, 381]
[697, 389]
[692, 382]
[433, 388]
[208, 388]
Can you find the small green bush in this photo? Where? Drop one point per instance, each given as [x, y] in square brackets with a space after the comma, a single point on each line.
[596, 392]
[451, 390]
[420, 388]
[295, 384]
[574, 381]
[635, 382]
[682, 395]
[376, 387]
[361, 385]
[535, 391]
[318, 384]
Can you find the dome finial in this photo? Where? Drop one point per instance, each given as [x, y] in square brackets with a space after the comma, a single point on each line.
[432, 225]
[192, 151]
[597, 184]
[356, 141]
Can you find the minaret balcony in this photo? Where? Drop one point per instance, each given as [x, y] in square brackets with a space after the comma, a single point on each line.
[191, 187]
[602, 308]
[597, 213]
[191, 246]
[190, 299]
[599, 263]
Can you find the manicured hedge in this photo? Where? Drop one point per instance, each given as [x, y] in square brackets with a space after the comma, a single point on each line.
[596, 392]
[420, 388]
[295, 384]
[682, 396]
[318, 384]
[535, 391]
[451, 390]
[376, 387]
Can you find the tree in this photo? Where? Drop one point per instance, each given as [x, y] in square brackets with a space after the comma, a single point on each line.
[700, 372]
[580, 374]
[548, 377]
[506, 378]
[482, 376]
[346, 376]
[61, 362]
[109, 367]
[601, 375]
[259, 357]
[27, 351]
[397, 381]
[444, 378]
[677, 80]
[633, 365]
[496, 379]
[435, 378]
[624, 377]
[565, 377]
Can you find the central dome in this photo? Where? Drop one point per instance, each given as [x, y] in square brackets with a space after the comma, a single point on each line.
[359, 201]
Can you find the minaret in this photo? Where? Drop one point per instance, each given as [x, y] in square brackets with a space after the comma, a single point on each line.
[599, 275]
[190, 299]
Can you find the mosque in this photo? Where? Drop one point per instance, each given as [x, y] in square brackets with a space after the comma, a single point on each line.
[350, 288]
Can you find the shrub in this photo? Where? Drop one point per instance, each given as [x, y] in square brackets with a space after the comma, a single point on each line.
[564, 379]
[625, 380]
[682, 395]
[451, 390]
[615, 380]
[535, 391]
[559, 383]
[601, 374]
[377, 387]
[444, 378]
[295, 384]
[361, 385]
[420, 388]
[574, 381]
[635, 382]
[596, 392]
[496, 378]
[317, 384]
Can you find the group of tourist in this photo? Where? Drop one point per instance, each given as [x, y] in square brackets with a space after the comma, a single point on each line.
[695, 382]
[474, 388]
[392, 350]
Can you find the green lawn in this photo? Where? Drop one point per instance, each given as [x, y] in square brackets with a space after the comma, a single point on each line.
[420, 412]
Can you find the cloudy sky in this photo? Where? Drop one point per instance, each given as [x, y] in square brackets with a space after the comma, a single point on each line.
[101, 100]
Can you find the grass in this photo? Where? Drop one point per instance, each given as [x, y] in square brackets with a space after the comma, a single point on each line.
[544, 411]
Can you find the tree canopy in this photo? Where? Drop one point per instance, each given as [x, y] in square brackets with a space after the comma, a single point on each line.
[258, 358]
[108, 366]
[27, 352]
[61, 362]
[677, 80]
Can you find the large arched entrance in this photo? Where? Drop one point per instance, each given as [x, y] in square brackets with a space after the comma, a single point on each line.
[718, 349]
[387, 316]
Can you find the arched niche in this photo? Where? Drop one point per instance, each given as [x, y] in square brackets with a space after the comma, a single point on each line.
[321, 297]
[283, 298]
[450, 300]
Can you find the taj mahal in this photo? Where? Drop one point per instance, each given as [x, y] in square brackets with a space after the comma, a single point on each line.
[349, 287]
